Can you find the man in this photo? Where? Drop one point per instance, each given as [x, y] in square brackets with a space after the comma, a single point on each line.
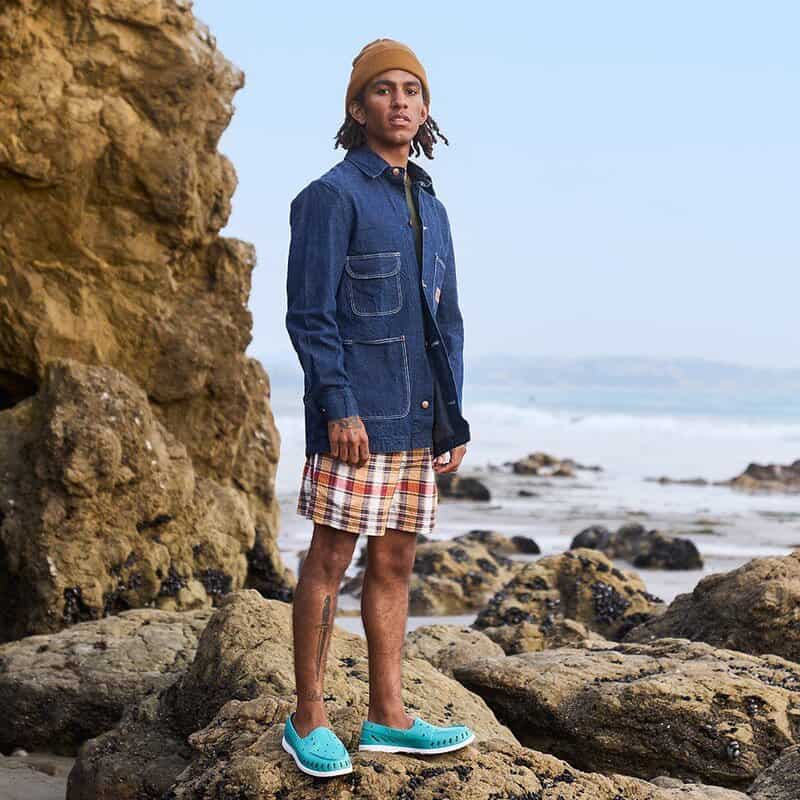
[373, 315]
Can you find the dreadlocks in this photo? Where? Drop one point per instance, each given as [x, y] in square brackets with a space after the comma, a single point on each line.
[351, 134]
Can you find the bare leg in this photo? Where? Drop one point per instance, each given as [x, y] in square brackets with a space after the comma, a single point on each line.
[313, 612]
[384, 610]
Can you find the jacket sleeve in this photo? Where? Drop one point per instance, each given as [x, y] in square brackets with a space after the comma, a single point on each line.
[320, 221]
[448, 315]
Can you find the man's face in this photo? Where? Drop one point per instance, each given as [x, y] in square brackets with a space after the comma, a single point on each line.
[393, 107]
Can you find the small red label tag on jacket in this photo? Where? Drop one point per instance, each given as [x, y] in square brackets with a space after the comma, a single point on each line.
[437, 294]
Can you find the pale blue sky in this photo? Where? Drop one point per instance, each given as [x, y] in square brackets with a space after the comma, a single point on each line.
[622, 177]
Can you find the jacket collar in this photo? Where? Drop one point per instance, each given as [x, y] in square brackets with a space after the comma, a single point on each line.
[373, 165]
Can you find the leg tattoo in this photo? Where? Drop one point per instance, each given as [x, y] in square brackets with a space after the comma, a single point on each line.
[324, 632]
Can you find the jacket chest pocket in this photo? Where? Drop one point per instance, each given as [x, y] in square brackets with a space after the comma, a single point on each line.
[373, 283]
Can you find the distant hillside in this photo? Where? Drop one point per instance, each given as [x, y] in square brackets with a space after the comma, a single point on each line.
[612, 384]
[685, 374]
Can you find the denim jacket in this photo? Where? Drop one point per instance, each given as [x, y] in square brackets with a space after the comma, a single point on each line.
[376, 335]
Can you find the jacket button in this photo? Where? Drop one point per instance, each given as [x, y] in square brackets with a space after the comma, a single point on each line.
[424, 403]
[396, 171]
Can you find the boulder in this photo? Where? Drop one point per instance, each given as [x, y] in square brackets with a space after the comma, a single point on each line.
[240, 689]
[462, 487]
[754, 608]
[648, 549]
[509, 545]
[530, 637]
[238, 754]
[672, 707]
[112, 197]
[447, 646]
[545, 464]
[361, 559]
[450, 576]
[101, 509]
[580, 585]
[769, 478]
[58, 690]
[781, 779]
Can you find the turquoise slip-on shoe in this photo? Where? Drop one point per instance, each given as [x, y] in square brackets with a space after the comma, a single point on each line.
[421, 737]
[320, 752]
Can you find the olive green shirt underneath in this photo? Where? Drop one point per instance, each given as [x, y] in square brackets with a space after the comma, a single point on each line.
[412, 209]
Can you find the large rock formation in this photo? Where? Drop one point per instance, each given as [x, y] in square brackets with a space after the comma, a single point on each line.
[244, 654]
[676, 707]
[58, 690]
[560, 599]
[754, 608]
[104, 511]
[452, 576]
[216, 732]
[112, 196]
[781, 779]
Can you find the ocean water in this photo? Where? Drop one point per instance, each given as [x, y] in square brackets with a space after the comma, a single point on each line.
[633, 434]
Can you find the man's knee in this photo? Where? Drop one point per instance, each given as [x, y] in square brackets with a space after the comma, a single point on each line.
[330, 553]
[391, 556]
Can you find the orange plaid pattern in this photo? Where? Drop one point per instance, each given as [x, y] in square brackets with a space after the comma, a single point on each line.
[392, 490]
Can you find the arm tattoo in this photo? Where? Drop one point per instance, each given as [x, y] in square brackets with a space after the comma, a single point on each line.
[324, 631]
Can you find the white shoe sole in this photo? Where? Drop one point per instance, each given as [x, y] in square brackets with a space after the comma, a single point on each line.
[317, 773]
[390, 748]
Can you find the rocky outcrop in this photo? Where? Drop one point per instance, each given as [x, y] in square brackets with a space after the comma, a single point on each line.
[450, 576]
[756, 478]
[648, 549]
[531, 611]
[103, 510]
[665, 480]
[769, 478]
[449, 646]
[544, 464]
[673, 707]
[530, 637]
[238, 754]
[781, 779]
[462, 487]
[112, 196]
[58, 690]
[509, 545]
[361, 558]
[240, 688]
[754, 608]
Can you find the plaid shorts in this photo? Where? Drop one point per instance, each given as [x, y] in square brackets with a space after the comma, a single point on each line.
[392, 490]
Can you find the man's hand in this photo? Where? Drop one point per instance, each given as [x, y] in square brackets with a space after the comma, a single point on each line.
[349, 440]
[456, 456]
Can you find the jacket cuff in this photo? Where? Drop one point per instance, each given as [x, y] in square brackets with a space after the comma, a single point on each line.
[338, 403]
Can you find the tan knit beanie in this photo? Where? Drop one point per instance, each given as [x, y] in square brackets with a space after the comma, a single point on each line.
[378, 56]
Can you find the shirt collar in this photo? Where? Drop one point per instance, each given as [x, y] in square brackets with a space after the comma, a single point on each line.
[373, 165]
